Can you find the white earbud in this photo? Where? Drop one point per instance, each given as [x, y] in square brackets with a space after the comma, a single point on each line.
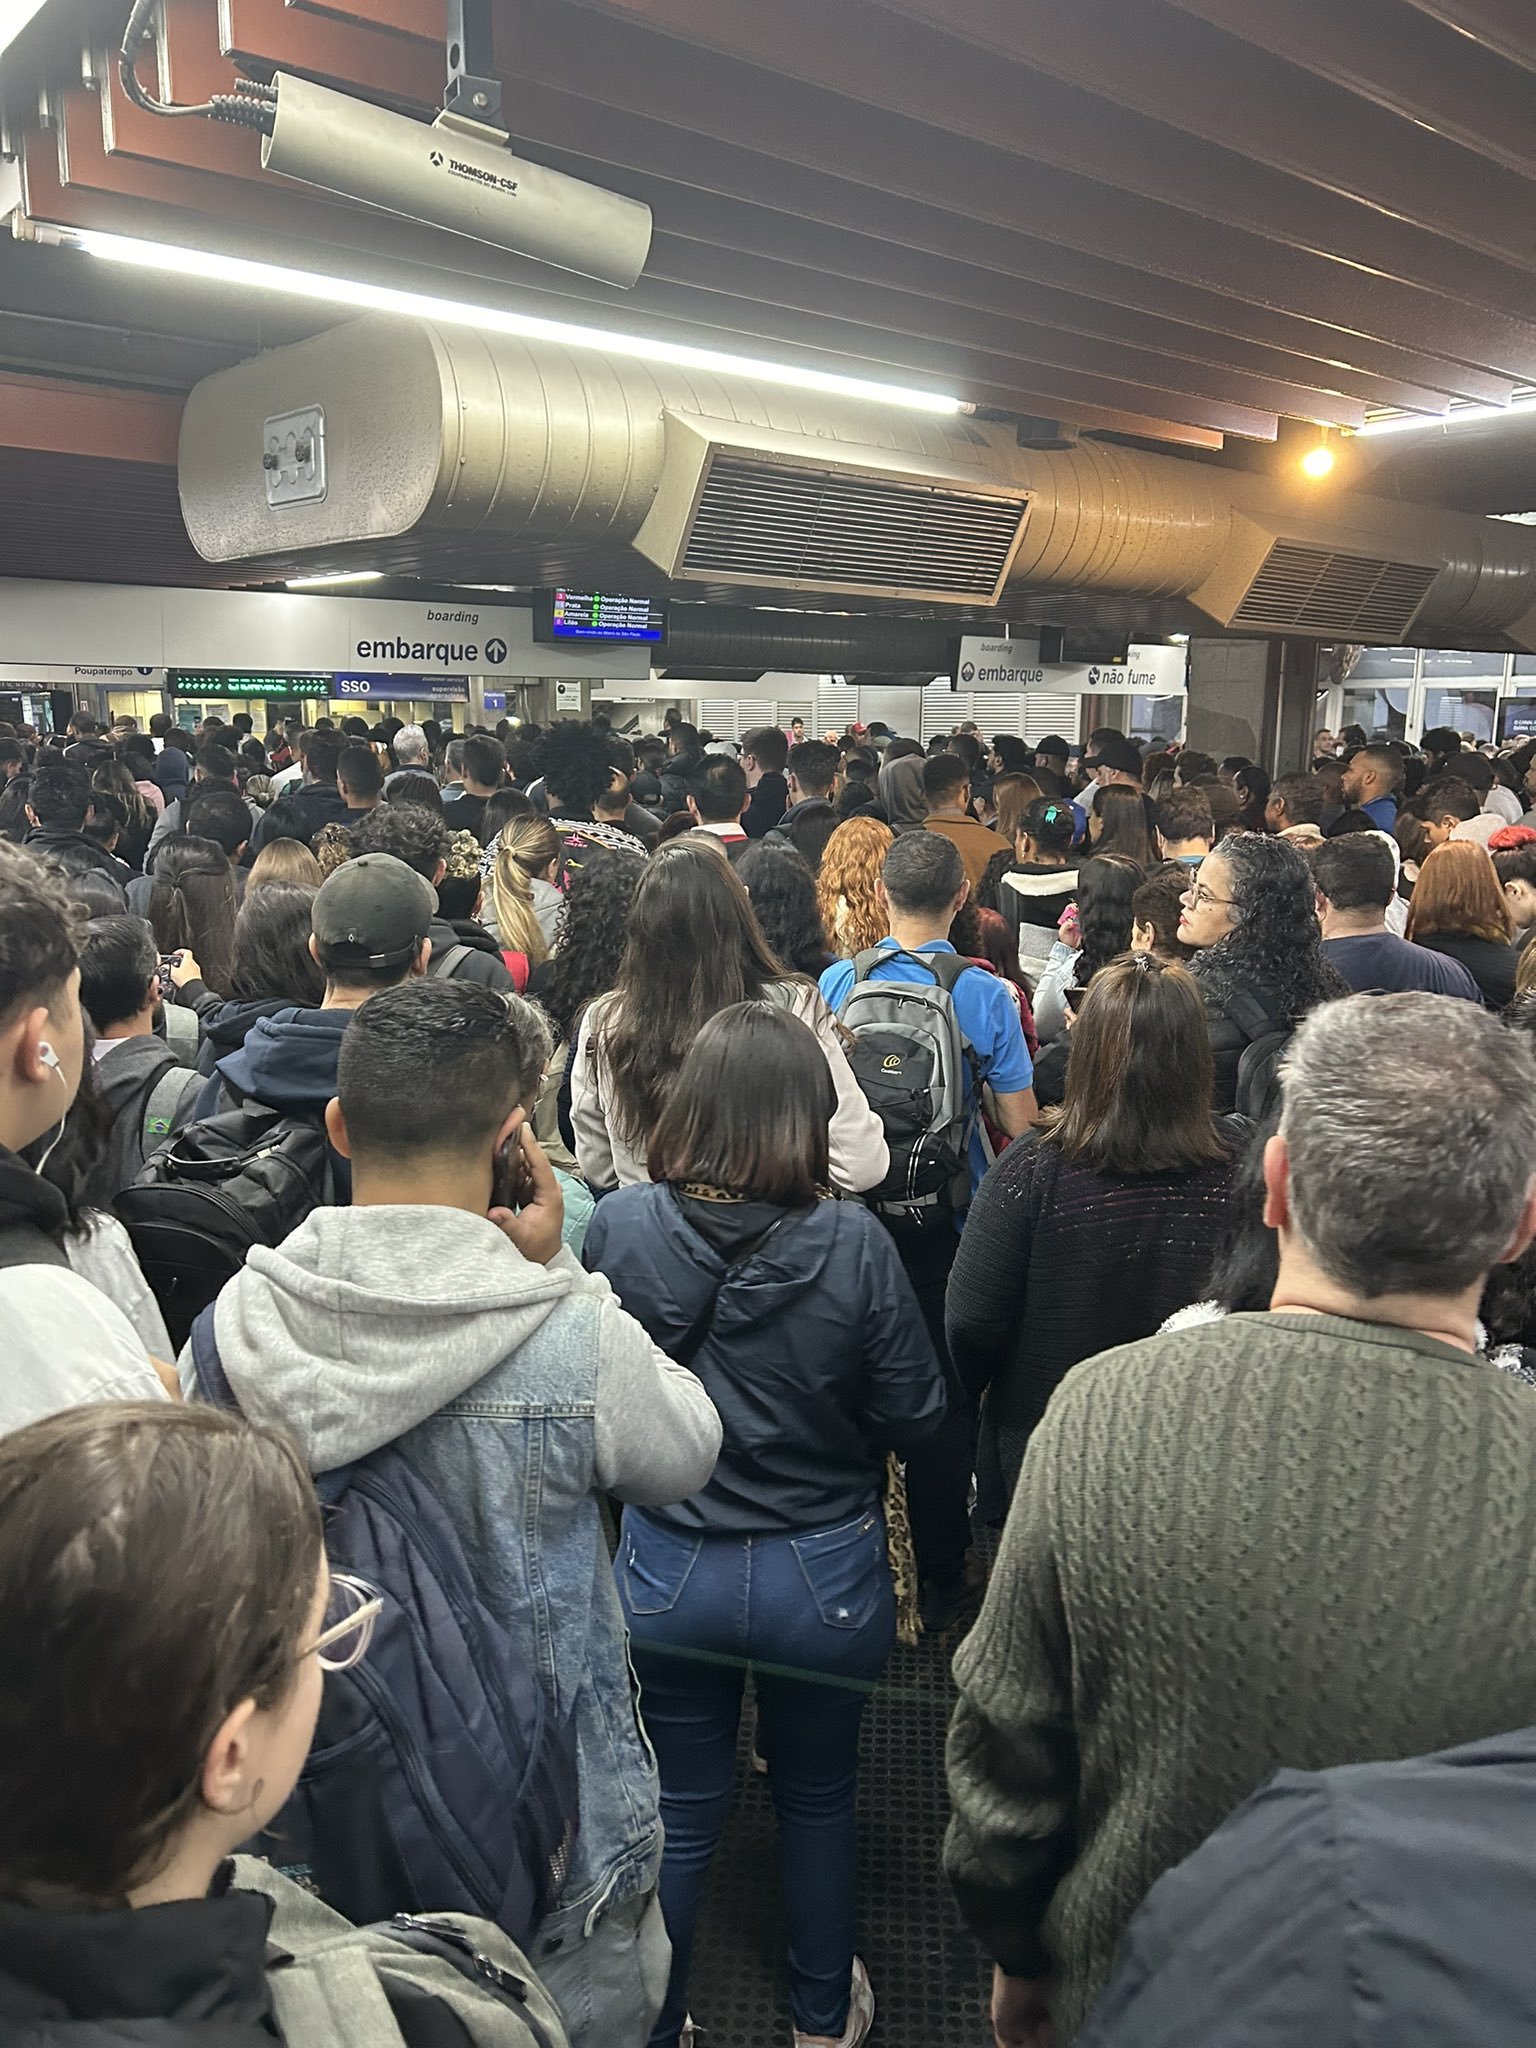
[47, 1055]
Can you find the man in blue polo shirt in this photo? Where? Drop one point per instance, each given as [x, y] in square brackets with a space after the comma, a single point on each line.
[922, 887]
[1372, 779]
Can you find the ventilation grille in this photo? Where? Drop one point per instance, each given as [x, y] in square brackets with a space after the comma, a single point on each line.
[1315, 590]
[847, 530]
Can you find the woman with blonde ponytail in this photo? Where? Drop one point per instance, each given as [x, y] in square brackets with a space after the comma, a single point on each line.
[523, 899]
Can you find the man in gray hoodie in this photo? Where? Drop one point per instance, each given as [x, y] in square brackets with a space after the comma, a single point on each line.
[440, 1314]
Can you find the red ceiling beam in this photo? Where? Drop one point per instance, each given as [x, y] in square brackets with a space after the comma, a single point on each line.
[1411, 65]
[49, 415]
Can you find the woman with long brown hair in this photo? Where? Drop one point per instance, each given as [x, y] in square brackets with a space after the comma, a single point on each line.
[693, 948]
[851, 913]
[1093, 1230]
[1118, 823]
[192, 906]
[1458, 909]
[1012, 795]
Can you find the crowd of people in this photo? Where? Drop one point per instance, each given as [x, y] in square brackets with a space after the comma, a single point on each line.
[486, 1219]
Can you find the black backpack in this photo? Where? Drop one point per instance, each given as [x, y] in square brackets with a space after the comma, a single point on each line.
[1260, 1065]
[246, 1177]
[911, 1061]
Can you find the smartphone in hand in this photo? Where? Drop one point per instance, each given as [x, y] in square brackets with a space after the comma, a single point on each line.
[512, 1182]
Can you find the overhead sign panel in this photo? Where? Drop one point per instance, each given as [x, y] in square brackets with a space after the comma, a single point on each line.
[1016, 665]
[297, 633]
[382, 687]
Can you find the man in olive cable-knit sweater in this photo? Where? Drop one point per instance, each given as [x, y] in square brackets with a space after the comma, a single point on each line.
[1303, 1538]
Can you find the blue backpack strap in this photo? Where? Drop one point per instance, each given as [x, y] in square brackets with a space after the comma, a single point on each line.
[212, 1382]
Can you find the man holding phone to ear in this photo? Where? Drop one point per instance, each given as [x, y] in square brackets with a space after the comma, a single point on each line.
[441, 1314]
[65, 1342]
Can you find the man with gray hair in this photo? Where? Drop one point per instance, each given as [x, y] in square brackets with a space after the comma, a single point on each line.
[1296, 1538]
[413, 754]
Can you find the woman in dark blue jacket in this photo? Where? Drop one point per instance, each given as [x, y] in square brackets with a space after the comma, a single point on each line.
[795, 1313]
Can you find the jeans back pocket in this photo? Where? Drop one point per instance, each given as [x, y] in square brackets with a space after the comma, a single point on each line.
[847, 1570]
[655, 1562]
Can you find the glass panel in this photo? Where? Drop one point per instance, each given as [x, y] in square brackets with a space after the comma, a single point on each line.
[1525, 665]
[1377, 664]
[1444, 664]
[1382, 713]
[1157, 718]
[1470, 712]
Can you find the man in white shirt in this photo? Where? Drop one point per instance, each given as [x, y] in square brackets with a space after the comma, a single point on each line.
[66, 1343]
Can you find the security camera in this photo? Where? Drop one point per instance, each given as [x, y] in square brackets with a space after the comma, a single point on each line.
[456, 174]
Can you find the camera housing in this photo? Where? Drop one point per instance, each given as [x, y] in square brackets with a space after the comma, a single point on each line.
[457, 175]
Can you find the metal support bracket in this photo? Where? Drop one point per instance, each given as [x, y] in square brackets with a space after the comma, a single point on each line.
[473, 91]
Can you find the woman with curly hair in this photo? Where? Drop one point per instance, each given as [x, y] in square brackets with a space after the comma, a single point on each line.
[1250, 912]
[783, 891]
[851, 914]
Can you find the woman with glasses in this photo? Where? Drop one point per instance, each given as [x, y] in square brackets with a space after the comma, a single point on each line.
[1086, 1233]
[168, 1618]
[1250, 913]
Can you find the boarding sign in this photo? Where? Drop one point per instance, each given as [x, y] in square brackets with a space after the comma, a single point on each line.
[1016, 665]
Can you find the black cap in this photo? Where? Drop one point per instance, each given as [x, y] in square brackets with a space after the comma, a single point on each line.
[1054, 745]
[373, 911]
[1117, 752]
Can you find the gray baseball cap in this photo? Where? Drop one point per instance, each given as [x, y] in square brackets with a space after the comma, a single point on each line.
[373, 911]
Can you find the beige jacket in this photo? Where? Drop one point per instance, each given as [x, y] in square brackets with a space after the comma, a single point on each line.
[859, 1158]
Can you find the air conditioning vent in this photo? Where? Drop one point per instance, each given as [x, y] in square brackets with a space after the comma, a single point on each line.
[1301, 589]
[844, 529]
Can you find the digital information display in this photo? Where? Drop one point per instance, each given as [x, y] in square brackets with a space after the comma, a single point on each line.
[193, 682]
[598, 615]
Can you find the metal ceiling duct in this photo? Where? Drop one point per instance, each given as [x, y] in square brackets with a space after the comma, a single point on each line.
[402, 440]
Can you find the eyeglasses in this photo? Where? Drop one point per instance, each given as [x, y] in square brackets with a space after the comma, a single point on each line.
[355, 1608]
[1197, 893]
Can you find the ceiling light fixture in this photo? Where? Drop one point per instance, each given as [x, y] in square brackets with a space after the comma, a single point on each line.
[1458, 416]
[1318, 462]
[356, 296]
[335, 576]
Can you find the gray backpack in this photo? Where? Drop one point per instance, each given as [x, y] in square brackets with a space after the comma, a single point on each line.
[422, 1980]
[910, 1059]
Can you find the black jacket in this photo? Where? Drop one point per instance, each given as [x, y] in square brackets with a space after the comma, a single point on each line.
[817, 1357]
[72, 853]
[770, 800]
[677, 780]
[1383, 1902]
[482, 964]
[1491, 963]
[807, 826]
[32, 1214]
[311, 806]
[191, 1974]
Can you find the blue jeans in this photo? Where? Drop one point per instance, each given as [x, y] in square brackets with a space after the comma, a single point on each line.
[815, 1615]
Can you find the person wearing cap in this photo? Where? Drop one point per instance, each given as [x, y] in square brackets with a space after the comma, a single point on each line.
[1113, 758]
[371, 924]
[1052, 752]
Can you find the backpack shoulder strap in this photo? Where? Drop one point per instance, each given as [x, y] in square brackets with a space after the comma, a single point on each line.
[1252, 1017]
[444, 964]
[212, 1384]
[169, 1094]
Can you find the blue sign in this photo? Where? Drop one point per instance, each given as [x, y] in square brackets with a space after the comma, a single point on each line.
[495, 700]
[378, 688]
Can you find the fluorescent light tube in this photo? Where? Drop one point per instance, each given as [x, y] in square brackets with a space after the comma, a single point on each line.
[354, 295]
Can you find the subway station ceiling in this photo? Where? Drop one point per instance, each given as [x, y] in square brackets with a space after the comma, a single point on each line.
[1217, 226]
